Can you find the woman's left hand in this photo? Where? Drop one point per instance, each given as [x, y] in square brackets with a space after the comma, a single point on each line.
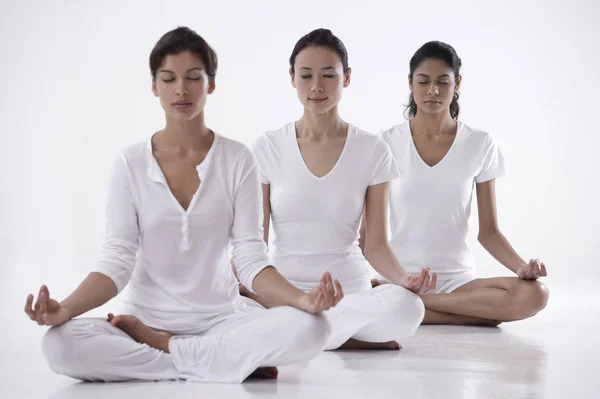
[422, 283]
[533, 270]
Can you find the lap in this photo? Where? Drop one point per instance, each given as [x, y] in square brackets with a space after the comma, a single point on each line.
[504, 283]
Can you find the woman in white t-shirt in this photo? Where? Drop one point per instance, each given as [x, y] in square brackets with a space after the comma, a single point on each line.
[175, 203]
[442, 160]
[318, 175]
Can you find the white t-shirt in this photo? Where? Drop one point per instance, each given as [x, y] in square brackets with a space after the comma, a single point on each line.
[175, 261]
[316, 220]
[430, 206]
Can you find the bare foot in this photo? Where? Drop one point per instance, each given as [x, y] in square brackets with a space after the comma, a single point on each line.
[265, 373]
[356, 344]
[141, 332]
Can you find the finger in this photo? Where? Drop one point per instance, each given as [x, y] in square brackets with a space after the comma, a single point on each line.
[431, 283]
[36, 308]
[323, 285]
[427, 281]
[543, 270]
[330, 286]
[536, 269]
[44, 303]
[421, 278]
[412, 282]
[29, 307]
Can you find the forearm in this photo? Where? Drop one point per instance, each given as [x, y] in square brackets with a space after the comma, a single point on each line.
[274, 288]
[499, 247]
[383, 260]
[267, 304]
[94, 291]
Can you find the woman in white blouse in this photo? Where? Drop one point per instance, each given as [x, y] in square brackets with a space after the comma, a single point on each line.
[318, 175]
[181, 198]
[442, 160]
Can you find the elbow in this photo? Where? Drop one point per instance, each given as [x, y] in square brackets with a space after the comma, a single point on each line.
[373, 249]
[487, 235]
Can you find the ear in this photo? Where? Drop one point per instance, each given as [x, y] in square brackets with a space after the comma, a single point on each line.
[211, 86]
[154, 91]
[347, 77]
[458, 83]
[292, 75]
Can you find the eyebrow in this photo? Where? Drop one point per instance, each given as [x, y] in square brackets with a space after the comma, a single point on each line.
[310, 69]
[189, 70]
[427, 76]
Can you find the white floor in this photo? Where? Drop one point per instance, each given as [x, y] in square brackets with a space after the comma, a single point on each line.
[554, 355]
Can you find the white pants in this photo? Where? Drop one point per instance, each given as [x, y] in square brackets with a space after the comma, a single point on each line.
[382, 314]
[385, 313]
[94, 350]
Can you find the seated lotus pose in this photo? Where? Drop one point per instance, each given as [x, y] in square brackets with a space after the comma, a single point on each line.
[442, 161]
[176, 202]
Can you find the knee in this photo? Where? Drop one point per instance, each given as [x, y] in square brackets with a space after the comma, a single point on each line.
[58, 349]
[313, 329]
[405, 309]
[530, 297]
[61, 346]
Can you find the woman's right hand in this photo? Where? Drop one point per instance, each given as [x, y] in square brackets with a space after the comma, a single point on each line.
[323, 297]
[47, 311]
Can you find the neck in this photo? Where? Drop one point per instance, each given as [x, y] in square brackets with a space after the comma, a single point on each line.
[320, 126]
[187, 135]
[432, 124]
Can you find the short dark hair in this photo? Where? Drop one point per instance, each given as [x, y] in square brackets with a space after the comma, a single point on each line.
[321, 38]
[179, 40]
[437, 51]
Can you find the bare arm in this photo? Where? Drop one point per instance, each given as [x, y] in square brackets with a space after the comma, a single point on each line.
[250, 258]
[94, 291]
[490, 236]
[377, 250]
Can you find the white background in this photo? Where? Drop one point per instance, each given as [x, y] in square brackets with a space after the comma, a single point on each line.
[75, 90]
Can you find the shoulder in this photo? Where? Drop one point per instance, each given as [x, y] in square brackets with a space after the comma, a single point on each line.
[397, 132]
[136, 155]
[366, 139]
[233, 151]
[273, 139]
[478, 138]
[370, 143]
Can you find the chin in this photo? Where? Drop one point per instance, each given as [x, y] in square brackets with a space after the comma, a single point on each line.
[182, 116]
[318, 109]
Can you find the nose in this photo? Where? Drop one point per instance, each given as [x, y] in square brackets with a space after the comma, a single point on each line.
[181, 88]
[316, 86]
[433, 89]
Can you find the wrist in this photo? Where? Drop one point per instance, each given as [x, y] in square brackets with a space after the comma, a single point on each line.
[519, 265]
[66, 308]
[298, 300]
